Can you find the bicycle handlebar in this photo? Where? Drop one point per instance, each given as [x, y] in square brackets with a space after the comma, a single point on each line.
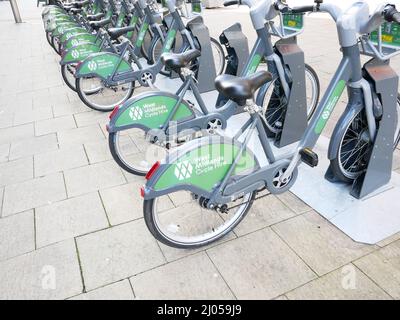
[391, 14]
[302, 9]
[231, 3]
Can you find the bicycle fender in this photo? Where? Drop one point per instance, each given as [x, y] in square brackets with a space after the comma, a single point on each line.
[68, 34]
[79, 53]
[57, 29]
[149, 110]
[79, 39]
[199, 166]
[102, 65]
[334, 143]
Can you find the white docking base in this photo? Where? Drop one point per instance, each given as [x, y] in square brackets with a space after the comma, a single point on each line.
[368, 220]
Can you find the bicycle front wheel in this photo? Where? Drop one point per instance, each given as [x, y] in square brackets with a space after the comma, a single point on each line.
[275, 101]
[355, 145]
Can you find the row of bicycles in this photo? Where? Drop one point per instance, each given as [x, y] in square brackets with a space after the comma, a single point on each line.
[200, 180]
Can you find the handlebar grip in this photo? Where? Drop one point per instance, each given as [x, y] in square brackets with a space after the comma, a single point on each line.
[281, 7]
[302, 9]
[391, 14]
[231, 3]
[396, 17]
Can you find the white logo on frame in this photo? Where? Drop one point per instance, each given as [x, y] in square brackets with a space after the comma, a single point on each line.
[92, 65]
[183, 170]
[74, 42]
[74, 54]
[325, 115]
[136, 113]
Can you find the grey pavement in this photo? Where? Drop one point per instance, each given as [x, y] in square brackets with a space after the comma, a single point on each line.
[71, 224]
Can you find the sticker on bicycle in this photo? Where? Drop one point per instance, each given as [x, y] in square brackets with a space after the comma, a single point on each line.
[103, 65]
[170, 40]
[210, 161]
[390, 35]
[254, 63]
[80, 52]
[152, 112]
[330, 105]
[293, 21]
[142, 34]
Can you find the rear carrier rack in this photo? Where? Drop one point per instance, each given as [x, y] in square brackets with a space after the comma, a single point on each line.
[383, 43]
[289, 25]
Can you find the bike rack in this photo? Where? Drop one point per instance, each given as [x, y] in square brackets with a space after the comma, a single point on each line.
[206, 74]
[379, 170]
[236, 44]
[296, 112]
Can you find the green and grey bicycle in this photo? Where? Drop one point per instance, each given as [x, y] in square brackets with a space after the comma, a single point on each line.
[202, 190]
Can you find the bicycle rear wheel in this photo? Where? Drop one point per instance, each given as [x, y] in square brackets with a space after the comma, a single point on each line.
[181, 220]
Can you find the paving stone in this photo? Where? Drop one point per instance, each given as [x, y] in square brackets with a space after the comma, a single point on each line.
[120, 290]
[94, 177]
[27, 116]
[4, 151]
[98, 151]
[16, 235]
[69, 218]
[293, 202]
[68, 108]
[48, 273]
[383, 267]
[6, 118]
[264, 212]
[1, 201]
[59, 160]
[33, 193]
[33, 146]
[54, 125]
[117, 253]
[321, 245]
[396, 159]
[260, 266]
[389, 240]
[194, 277]
[80, 135]
[90, 118]
[283, 297]
[346, 283]
[16, 171]
[18, 133]
[122, 203]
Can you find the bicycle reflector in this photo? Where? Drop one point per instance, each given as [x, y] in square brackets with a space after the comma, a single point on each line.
[152, 170]
[112, 114]
[142, 192]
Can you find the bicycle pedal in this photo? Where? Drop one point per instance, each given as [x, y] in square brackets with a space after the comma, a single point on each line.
[309, 157]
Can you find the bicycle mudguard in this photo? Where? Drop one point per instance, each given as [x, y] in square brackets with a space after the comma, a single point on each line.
[63, 27]
[149, 110]
[79, 53]
[53, 25]
[80, 39]
[199, 166]
[102, 65]
[51, 9]
[68, 34]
